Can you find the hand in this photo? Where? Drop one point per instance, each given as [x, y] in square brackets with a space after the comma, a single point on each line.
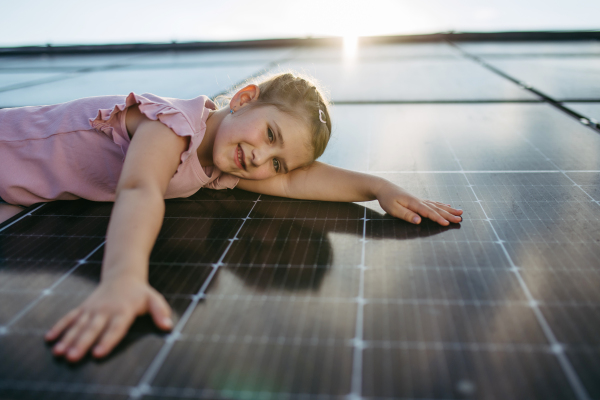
[401, 204]
[106, 315]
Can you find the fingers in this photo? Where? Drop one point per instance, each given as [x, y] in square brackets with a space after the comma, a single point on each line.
[87, 337]
[433, 210]
[402, 204]
[105, 317]
[429, 212]
[160, 311]
[83, 330]
[447, 212]
[72, 333]
[446, 207]
[117, 328]
[407, 213]
[61, 325]
[404, 213]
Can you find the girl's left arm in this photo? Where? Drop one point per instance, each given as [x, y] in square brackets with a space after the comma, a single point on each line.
[328, 183]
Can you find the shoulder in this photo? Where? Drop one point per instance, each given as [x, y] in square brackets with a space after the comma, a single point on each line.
[149, 106]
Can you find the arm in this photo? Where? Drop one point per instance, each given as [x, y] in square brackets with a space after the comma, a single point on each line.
[124, 292]
[325, 182]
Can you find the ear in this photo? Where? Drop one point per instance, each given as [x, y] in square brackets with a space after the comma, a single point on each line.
[244, 96]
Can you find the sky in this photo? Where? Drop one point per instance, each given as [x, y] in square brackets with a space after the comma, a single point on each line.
[66, 22]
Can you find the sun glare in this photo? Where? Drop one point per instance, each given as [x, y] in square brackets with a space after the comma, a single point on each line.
[350, 46]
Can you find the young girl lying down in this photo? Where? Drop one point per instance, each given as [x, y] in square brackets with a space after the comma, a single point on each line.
[138, 150]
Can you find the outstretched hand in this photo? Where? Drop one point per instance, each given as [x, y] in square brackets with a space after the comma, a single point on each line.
[401, 204]
[105, 316]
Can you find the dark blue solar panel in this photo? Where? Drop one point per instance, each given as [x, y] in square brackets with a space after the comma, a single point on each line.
[277, 298]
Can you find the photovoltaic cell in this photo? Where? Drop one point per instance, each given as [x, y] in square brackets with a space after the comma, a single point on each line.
[455, 373]
[409, 79]
[279, 298]
[589, 110]
[562, 78]
[533, 49]
[185, 83]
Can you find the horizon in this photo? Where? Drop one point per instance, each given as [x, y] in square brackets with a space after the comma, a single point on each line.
[39, 23]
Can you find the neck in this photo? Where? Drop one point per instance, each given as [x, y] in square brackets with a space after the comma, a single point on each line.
[205, 150]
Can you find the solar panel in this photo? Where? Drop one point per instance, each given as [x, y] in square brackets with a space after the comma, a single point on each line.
[278, 298]
[589, 110]
[409, 79]
[563, 78]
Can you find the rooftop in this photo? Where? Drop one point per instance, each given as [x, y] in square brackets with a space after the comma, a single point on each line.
[279, 298]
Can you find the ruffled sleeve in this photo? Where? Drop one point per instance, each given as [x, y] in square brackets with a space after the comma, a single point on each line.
[155, 108]
[223, 181]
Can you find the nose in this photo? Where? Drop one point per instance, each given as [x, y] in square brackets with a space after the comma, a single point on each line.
[260, 155]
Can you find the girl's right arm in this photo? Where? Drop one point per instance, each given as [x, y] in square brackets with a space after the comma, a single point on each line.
[124, 293]
[325, 182]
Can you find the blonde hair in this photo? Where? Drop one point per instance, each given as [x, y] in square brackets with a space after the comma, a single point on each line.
[296, 95]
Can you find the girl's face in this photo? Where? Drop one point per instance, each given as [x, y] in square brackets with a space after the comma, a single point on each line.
[260, 142]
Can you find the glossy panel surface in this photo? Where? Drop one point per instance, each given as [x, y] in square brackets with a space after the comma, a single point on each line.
[482, 137]
[457, 373]
[225, 57]
[409, 79]
[10, 80]
[532, 49]
[561, 78]
[67, 62]
[588, 110]
[275, 298]
[184, 83]
[377, 51]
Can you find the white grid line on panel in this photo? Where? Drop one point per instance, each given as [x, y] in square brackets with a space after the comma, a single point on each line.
[460, 346]
[380, 300]
[210, 394]
[564, 362]
[389, 344]
[143, 386]
[562, 171]
[22, 216]
[358, 342]
[299, 240]
[47, 291]
[350, 342]
[51, 386]
[551, 171]
[183, 393]
[421, 267]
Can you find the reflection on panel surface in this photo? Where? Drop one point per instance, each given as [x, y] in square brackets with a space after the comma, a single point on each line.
[184, 83]
[67, 62]
[559, 77]
[456, 373]
[377, 52]
[279, 298]
[11, 80]
[483, 137]
[418, 79]
[207, 57]
[232, 369]
[532, 49]
[588, 110]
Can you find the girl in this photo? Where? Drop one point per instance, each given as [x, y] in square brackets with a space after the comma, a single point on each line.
[266, 141]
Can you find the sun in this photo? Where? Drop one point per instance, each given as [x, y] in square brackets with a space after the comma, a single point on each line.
[350, 46]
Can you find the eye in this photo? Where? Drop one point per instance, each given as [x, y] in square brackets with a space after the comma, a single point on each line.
[270, 135]
[276, 165]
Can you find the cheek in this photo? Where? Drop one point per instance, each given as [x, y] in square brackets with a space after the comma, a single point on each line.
[264, 172]
[219, 155]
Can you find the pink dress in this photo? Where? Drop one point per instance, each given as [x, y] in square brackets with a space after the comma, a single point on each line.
[76, 149]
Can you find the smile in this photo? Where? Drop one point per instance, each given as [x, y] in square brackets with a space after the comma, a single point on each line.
[239, 158]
